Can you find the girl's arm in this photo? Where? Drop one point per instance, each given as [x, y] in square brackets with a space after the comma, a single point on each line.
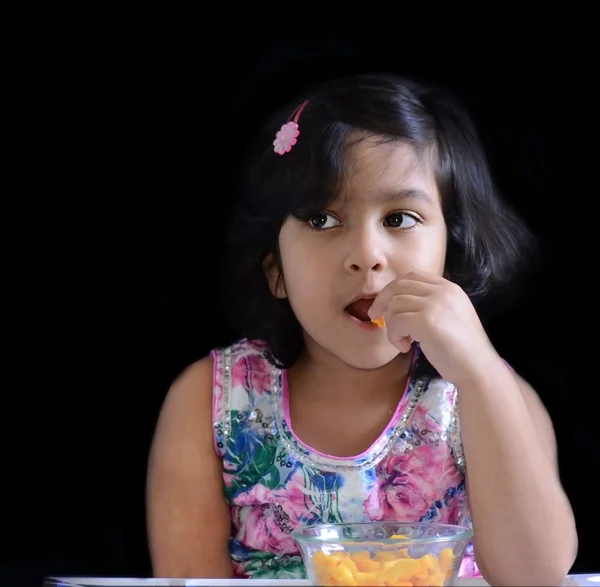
[188, 518]
[524, 526]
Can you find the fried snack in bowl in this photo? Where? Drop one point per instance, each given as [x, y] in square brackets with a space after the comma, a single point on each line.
[383, 553]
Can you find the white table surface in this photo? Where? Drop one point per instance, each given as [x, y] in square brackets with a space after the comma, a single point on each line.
[591, 580]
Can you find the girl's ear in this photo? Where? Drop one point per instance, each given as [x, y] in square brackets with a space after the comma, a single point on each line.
[274, 276]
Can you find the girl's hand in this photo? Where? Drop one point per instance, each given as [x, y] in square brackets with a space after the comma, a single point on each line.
[439, 315]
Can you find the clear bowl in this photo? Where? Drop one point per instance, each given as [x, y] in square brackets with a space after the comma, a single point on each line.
[383, 553]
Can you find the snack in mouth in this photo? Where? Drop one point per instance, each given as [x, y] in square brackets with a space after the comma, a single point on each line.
[379, 321]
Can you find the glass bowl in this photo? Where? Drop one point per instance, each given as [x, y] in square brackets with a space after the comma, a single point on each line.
[383, 553]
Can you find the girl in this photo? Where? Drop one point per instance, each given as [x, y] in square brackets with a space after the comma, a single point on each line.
[366, 197]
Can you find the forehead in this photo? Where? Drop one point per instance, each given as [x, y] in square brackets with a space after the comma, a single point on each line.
[375, 166]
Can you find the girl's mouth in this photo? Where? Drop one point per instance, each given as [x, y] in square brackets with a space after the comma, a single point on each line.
[359, 309]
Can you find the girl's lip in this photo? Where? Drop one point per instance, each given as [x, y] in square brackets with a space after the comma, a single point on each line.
[362, 296]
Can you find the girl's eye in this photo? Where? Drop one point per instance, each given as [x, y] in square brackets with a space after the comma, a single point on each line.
[322, 221]
[400, 220]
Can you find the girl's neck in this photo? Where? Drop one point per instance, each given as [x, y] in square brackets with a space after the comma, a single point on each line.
[318, 370]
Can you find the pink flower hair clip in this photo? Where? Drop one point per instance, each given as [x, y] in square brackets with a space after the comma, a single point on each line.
[287, 136]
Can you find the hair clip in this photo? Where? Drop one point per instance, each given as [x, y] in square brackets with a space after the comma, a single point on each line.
[287, 136]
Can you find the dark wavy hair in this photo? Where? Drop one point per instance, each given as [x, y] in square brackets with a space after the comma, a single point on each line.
[487, 242]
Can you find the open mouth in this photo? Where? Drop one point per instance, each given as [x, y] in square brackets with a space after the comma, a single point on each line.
[359, 309]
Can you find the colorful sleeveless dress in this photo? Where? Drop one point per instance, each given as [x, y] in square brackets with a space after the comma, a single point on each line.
[275, 483]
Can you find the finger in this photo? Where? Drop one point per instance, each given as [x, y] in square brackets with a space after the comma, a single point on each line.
[400, 325]
[424, 277]
[394, 288]
[403, 344]
[380, 303]
[403, 303]
[413, 286]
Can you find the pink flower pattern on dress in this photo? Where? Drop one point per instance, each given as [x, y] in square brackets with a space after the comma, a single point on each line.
[272, 515]
[252, 373]
[286, 138]
[409, 484]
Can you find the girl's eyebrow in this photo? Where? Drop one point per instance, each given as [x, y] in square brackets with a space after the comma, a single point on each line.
[403, 194]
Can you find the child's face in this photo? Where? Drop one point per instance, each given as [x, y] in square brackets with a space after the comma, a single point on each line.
[358, 245]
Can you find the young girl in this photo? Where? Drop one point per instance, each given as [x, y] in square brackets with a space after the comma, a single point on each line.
[366, 197]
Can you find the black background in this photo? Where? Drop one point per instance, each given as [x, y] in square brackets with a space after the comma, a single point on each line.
[137, 274]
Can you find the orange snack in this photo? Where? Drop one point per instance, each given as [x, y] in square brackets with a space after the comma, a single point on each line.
[379, 321]
[386, 568]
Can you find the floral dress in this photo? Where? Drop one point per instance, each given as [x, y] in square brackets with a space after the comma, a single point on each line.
[275, 483]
